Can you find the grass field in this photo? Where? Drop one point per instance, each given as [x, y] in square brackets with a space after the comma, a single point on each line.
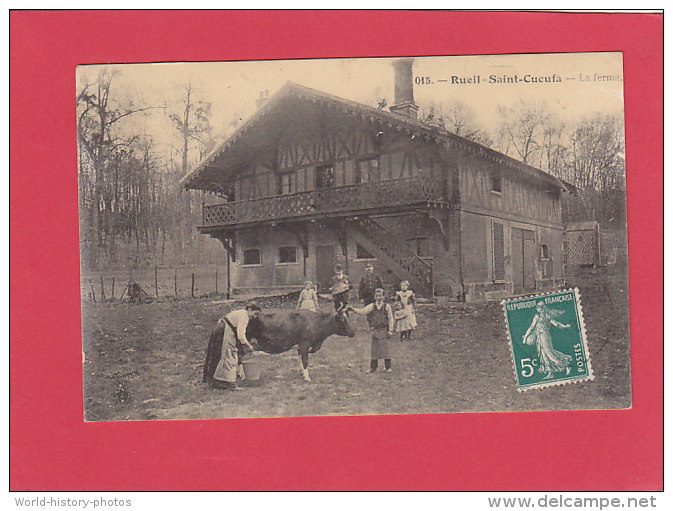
[145, 361]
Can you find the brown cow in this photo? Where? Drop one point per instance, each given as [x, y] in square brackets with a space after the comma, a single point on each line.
[278, 331]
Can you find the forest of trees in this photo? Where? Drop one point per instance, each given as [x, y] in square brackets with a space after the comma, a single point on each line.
[588, 154]
[134, 214]
[132, 210]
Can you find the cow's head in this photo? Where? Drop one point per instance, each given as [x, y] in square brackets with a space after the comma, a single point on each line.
[343, 328]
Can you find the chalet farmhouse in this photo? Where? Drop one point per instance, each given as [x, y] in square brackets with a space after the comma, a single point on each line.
[312, 179]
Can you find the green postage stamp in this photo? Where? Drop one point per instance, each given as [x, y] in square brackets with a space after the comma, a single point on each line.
[548, 339]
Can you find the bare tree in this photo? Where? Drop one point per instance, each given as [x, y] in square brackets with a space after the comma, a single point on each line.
[554, 149]
[456, 117]
[597, 152]
[520, 131]
[192, 122]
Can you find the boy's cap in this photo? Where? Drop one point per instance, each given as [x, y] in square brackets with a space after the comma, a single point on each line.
[338, 267]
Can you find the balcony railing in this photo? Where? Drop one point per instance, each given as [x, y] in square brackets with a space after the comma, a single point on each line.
[357, 198]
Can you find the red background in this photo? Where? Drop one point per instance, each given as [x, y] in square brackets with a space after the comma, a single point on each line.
[53, 449]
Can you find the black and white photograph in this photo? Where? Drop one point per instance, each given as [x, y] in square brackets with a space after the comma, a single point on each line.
[338, 236]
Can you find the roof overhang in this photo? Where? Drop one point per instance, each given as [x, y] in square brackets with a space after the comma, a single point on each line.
[291, 108]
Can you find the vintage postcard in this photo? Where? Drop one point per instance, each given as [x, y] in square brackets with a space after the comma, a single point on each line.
[342, 236]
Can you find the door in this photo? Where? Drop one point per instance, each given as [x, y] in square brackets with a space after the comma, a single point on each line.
[523, 260]
[529, 253]
[324, 263]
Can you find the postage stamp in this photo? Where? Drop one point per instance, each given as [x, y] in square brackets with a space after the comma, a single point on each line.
[548, 339]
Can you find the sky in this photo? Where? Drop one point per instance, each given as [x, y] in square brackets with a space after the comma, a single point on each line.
[233, 87]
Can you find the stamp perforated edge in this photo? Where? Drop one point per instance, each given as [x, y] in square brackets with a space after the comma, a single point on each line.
[583, 335]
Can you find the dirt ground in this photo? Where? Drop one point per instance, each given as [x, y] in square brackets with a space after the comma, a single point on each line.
[144, 362]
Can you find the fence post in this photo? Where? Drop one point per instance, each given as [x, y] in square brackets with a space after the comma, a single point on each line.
[175, 283]
[192, 285]
[102, 289]
[93, 291]
[113, 288]
[156, 284]
[215, 281]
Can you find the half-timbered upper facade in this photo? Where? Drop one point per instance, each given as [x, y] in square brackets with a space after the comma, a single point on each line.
[311, 180]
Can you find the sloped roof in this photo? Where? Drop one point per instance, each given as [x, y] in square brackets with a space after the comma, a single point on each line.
[198, 178]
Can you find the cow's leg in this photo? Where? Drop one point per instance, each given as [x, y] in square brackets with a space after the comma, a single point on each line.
[303, 354]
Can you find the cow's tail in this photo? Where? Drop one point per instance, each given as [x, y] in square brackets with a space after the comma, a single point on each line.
[213, 354]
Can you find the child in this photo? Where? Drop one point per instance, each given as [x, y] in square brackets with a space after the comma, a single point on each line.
[308, 298]
[380, 318]
[340, 286]
[407, 298]
[402, 321]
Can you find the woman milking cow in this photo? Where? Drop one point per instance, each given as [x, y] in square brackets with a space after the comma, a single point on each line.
[272, 332]
[222, 364]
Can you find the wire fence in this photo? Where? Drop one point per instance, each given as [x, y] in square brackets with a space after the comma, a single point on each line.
[154, 284]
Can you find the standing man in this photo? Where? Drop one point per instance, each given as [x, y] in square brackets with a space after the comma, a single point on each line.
[369, 283]
[235, 327]
[382, 323]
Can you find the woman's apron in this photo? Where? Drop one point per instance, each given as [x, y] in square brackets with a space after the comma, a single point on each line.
[227, 368]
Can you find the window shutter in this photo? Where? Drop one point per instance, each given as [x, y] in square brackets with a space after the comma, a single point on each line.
[498, 252]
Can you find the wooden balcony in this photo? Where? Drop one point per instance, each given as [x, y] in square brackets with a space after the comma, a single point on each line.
[383, 196]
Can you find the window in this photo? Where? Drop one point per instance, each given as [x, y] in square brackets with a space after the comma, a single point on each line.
[252, 257]
[498, 252]
[325, 176]
[287, 183]
[544, 252]
[287, 255]
[419, 246]
[367, 170]
[496, 182]
[362, 253]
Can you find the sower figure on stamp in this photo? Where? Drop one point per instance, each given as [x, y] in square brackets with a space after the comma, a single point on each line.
[382, 323]
[369, 283]
[235, 327]
[539, 335]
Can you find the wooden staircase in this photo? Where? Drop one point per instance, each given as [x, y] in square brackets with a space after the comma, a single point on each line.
[393, 253]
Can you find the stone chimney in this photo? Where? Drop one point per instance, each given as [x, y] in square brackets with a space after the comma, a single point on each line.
[404, 88]
[263, 97]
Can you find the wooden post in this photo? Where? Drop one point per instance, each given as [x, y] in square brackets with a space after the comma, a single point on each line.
[432, 282]
[93, 292]
[113, 288]
[192, 285]
[215, 281]
[175, 283]
[102, 289]
[130, 274]
[156, 283]
[123, 292]
[228, 274]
